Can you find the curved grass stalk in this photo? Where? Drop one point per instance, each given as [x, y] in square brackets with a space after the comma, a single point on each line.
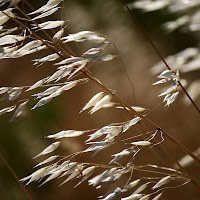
[16, 177]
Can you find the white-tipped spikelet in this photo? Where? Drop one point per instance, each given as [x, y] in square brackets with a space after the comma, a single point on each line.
[42, 102]
[157, 196]
[132, 184]
[100, 103]
[35, 175]
[66, 134]
[141, 188]
[45, 14]
[69, 85]
[75, 173]
[6, 110]
[93, 101]
[58, 35]
[10, 39]
[47, 160]
[4, 90]
[86, 173]
[48, 6]
[36, 85]
[52, 176]
[49, 24]
[125, 152]
[141, 143]
[12, 94]
[84, 62]
[171, 98]
[3, 17]
[163, 181]
[19, 111]
[49, 149]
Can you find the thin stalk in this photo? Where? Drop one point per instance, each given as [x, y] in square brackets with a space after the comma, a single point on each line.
[16, 177]
[156, 50]
[28, 4]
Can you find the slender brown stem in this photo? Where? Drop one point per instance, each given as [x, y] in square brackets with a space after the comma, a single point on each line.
[156, 50]
[28, 4]
[16, 177]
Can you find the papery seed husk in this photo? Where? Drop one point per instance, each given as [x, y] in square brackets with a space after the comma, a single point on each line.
[163, 181]
[157, 196]
[49, 149]
[100, 103]
[42, 102]
[58, 35]
[19, 111]
[8, 109]
[141, 143]
[47, 160]
[93, 101]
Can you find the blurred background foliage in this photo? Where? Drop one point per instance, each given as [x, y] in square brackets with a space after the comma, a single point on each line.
[24, 138]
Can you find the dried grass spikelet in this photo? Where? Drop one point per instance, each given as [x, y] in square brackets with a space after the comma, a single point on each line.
[49, 25]
[141, 188]
[51, 158]
[58, 35]
[12, 94]
[141, 143]
[7, 110]
[49, 149]
[163, 181]
[171, 93]
[157, 196]
[35, 175]
[67, 134]
[100, 103]
[93, 101]
[42, 102]
[3, 17]
[86, 173]
[19, 110]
